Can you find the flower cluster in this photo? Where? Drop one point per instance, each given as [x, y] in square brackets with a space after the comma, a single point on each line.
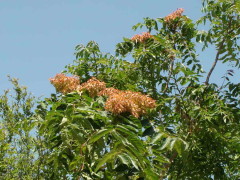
[118, 101]
[93, 86]
[141, 37]
[127, 101]
[174, 15]
[64, 84]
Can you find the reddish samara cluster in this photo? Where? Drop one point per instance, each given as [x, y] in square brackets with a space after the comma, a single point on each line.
[141, 37]
[118, 101]
[174, 15]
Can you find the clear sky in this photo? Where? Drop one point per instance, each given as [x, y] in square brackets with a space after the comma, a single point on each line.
[38, 37]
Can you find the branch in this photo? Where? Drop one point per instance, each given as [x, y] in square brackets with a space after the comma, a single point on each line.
[170, 70]
[167, 166]
[218, 53]
[215, 62]
[169, 75]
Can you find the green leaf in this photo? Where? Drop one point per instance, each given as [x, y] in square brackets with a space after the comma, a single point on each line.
[161, 159]
[99, 134]
[128, 130]
[157, 137]
[166, 143]
[124, 158]
[64, 120]
[150, 174]
[127, 159]
[109, 156]
[172, 144]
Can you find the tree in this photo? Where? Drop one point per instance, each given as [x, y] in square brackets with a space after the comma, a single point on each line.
[151, 118]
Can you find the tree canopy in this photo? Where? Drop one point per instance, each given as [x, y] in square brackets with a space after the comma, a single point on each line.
[158, 116]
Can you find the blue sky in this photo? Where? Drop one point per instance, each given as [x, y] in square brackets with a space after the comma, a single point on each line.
[38, 37]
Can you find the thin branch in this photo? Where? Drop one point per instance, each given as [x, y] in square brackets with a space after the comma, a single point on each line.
[170, 71]
[169, 75]
[219, 52]
[167, 166]
[214, 63]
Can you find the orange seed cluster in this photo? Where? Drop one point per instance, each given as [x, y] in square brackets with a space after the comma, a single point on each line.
[174, 15]
[128, 101]
[108, 92]
[93, 86]
[118, 101]
[64, 84]
[141, 37]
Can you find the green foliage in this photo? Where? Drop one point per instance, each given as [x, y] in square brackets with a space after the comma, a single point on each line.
[192, 133]
[91, 62]
[21, 148]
